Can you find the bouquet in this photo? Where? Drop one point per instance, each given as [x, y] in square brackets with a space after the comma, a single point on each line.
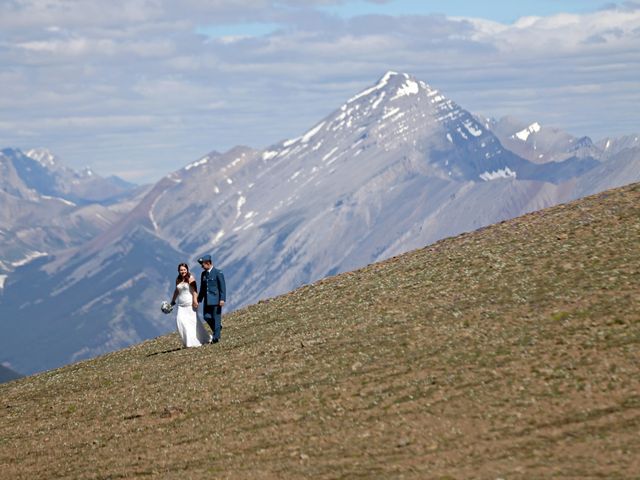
[166, 307]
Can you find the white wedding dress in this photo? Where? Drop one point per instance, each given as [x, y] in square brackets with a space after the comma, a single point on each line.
[191, 330]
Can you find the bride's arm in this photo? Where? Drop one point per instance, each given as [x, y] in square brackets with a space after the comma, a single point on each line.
[194, 291]
[175, 294]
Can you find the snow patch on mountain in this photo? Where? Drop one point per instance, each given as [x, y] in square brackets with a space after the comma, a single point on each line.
[43, 156]
[500, 173]
[31, 256]
[471, 128]
[311, 133]
[197, 163]
[153, 205]
[328, 155]
[377, 101]
[410, 87]
[269, 154]
[233, 163]
[66, 202]
[241, 201]
[378, 86]
[217, 238]
[390, 112]
[524, 134]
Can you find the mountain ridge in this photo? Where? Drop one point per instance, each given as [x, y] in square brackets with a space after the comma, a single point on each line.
[47, 207]
[45, 174]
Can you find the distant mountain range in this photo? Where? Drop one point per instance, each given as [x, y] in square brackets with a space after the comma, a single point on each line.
[396, 167]
[46, 206]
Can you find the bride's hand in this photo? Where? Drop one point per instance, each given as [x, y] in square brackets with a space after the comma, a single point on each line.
[195, 304]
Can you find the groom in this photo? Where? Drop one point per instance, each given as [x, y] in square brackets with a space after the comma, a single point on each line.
[213, 292]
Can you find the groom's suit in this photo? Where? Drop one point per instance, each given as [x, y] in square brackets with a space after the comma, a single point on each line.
[212, 291]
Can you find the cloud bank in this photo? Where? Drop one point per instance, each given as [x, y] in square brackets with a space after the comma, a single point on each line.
[142, 87]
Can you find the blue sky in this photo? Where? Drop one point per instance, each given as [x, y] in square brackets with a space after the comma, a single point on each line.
[139, 88]
[505, 11]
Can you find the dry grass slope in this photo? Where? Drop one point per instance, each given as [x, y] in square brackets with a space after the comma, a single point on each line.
[508, 352]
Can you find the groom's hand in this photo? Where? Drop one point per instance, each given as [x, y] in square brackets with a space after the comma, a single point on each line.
[221, 303]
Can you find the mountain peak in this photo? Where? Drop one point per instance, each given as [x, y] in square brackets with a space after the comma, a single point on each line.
[397, 113]
[395, 85]
[43, 156]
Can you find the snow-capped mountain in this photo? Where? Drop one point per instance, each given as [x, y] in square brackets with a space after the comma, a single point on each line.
[397, 166]
[40, 170]
[541, 144]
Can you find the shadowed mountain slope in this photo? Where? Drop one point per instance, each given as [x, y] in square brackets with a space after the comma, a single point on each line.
[6, 374]
[507, 352]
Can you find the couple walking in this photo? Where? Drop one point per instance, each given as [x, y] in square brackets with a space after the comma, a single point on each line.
[212, 296]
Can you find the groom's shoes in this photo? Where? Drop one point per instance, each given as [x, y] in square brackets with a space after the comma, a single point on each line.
[214, 340]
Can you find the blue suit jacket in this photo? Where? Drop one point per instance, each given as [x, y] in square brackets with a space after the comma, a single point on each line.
[212, 288]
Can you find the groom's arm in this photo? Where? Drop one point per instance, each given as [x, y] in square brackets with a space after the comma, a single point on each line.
[222, 287]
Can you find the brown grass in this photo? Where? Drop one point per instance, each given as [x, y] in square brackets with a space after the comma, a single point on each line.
[510, 352]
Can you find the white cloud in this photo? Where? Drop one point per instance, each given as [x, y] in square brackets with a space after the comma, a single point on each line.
[138, 72]
[561, 34]
[71, 47]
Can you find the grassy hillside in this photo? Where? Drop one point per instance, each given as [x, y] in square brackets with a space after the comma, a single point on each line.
[510, 352]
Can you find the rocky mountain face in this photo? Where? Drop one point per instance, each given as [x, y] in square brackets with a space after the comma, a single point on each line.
[42, 172]
[612, 146]
[618, 158]
[540, 144]
[47, 207]
[396, 167]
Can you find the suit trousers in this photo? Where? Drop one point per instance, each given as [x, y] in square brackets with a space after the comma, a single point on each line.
[212, 314]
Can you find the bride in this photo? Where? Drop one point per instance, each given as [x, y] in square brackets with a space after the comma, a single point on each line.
[191, 331]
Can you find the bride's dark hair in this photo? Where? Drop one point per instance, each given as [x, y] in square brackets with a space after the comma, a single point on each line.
[179, 277]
